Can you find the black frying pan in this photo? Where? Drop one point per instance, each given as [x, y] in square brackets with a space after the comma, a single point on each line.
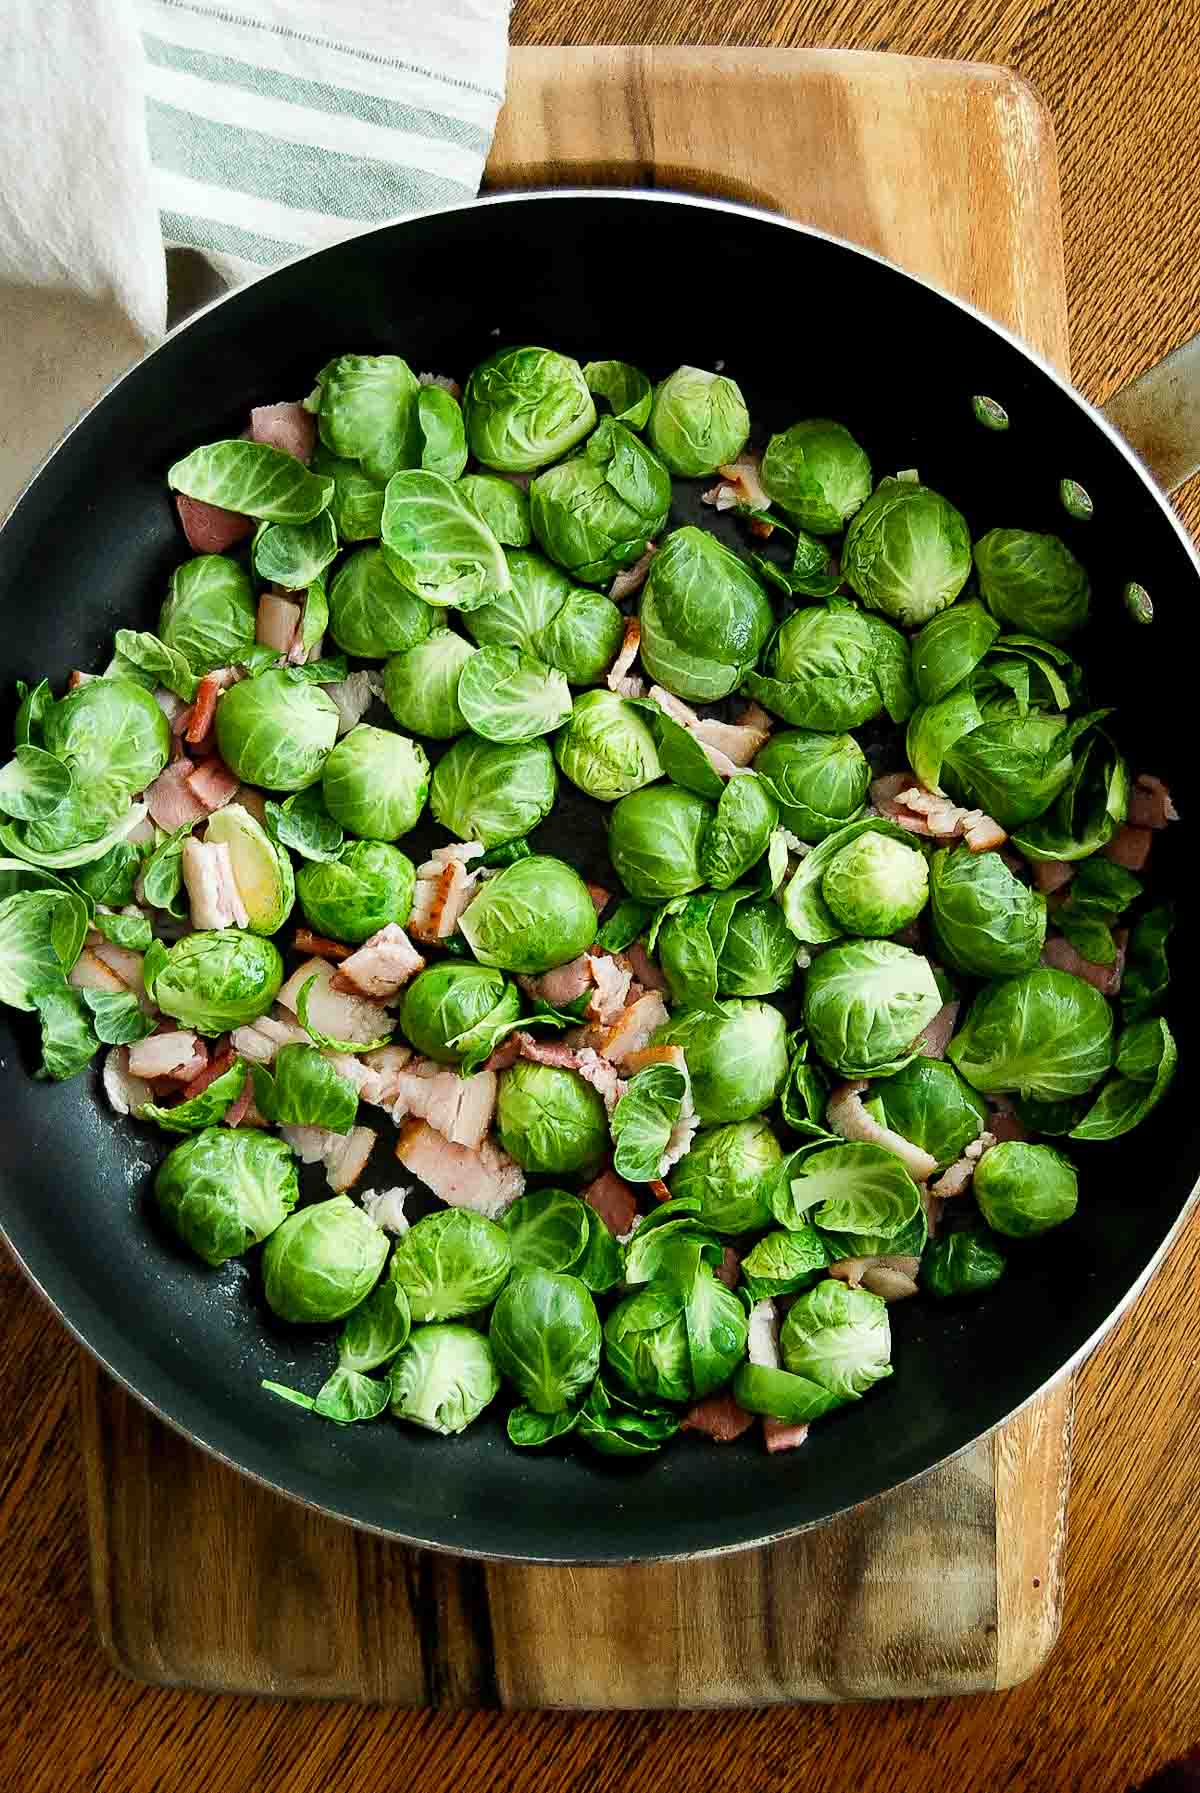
[809, 326]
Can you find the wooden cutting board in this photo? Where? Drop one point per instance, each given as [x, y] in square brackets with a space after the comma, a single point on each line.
[951, 1585]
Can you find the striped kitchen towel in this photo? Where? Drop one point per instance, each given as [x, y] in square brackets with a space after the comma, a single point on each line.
[249, 130]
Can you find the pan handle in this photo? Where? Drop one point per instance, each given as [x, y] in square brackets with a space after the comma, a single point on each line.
[1159, 415]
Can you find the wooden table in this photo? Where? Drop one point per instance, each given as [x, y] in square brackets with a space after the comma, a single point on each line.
[1122, 1693]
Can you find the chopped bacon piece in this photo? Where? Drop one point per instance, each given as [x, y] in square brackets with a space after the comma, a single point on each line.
[564, 985]
[78, 678]
[645, 970]
[215, 899]
[346, 1161]
[171, 799]
[253, 802]
[316, 946]
[487, 1180]
[386, 1208]
[846, 1116]
[600, 898]
[631, 579]
[727, 1270]
[442, 380]
[209, 528]
[924, 812]
[262, 1040]
[238, 1114]
[659, 1190]
[383, 1068]
[780, 1436]
[278, 620]
[91, 972]
[175, 1054]
[444, 889]
[213, 784]
[1129, 847]
[220, 1062]
[601, 1073]
[1050, 875]
[287, 426]
[335, 1012]
[762, 1335]
[310, 1144]
[981, 832]
[126, 1093]
[740, 487]
[628, 1034]
[719, 1417]
[203, 710]
[459, 1108]
[619, 677]
[613, 1200]
[1062, 956]
[505, 1055]
[171, 706]
[1003, 1120]
[957, 1177]
[936, 1035]
[887, 788]
[353, 697]
[739, 741]
[1150, 804]
[381, 966]
[892, 1278]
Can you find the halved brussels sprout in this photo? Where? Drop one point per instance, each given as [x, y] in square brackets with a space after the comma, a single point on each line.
[550, 1121]
[420, 686]
[698, 422]
[493, 792]
[839, 1338]
[370, 612]
[865, 1003]
[875, 884]
[929, 1104]
[726, 1173]
[598, 511]
[451, 1263]
[526, 407]
[907, 552]
[322, 1262]
[819, 781]
[985, 921]
[261, 870]
[226, 1189]
[655, 840]
[216, 980]
[1032, 582]
[375, 783]
[817, 473]
[366, 409]
[444, 1378]
[209, 614]
[1044, 1034]
[444, 1003]
[276, 730]
[531, 916]
[437, 544]
[606, 747]
[736, 1055]
[676, 1340]
[545, 1335]
[1024, 1189]
[830, 667]
[352, 897]
[705, 617]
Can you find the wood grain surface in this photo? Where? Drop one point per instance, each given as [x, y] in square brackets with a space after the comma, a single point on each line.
[951, 1586]
[1119, 1696]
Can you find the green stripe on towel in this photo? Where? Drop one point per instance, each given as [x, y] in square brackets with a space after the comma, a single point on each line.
[225, 239]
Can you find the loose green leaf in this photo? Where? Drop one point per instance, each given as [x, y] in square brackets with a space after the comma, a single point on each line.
[205, 1110]
[1146, 1063]
[377, 1329]
[626, 389]
[294, 555]
[348, 1396]
[443, 437]
[528, 1430]
[162, 882]
[303, 823]
[161, 664]
[325, 1040]
[643, 1121]
[598, 1267]
[118, 1017]
[253, 479]
[70, 857]
[1138, 602]
[68, 1041]
[33, 704]
[990, 414]
[290, 1394]
[132, 931]
[1147, 972]
[33, 785]
[438, 546]
[1075, 501]
[628, 921]
[784, 1262]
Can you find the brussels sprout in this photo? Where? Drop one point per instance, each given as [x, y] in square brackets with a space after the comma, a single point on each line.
[985, 921]
[546, 1338]
[1087, 811]
[276, 731]
[375, 783]
[597, 512]
[294, 555]
[209, 614]
[832, 668]
[606, 748]
[351, 898]
[1032, 582]
[420, 686]
[226, 1189]
[575, 630]
[443, 439]
[445, 1003]
[670, 1245]
[302, 823]
[655, 840]
[705, 618]
[929, 1104]
[437, 544]
[503, 506]
[949, 648]
[817, 473]
[110, 730]
[550, 1120]
[526, 407]
[726, 1172]
[305, 1091]
[444, 1378]
[778, 1394]
[366, 409]
[370, 612]
[784, 1262]
[736, 1056]
[1024, 1189]
[853, 1188]
[1013, 765]
[675, 1342]
[1147, 971]
[1044, 1034]
[839, 1338]
[759, 953]
[962, 1263]
[493, 793]
[508, 696]
[547, 1230]
[451, 1263]
[253, 478]
[738, 835]
[217, 980]
[625, 389]
[819, 781]
[357, 503]
[33, 784]
[261, 870]
[617, 1427]
[533, 915]
[907, 552]
[875, 884]
[322, 1262]
[865, 1003]
[698, 422]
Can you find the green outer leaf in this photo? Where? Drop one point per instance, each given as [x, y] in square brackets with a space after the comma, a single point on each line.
[33, 706]
[855, 1188]
[118, 1017]
[253, 479]
[348, 1396]
[367, 408]
[627, 390]
[132, 931]
[804, 908]
[294, 1395]
[376, 1329]
[68, 1042]
[783, 1262]
[308, 1092]
[527, 1429]
[162, 664]
[778, 1394]
[438, 546]
[323, 1039]
[683, 759]
[303, 823]
[1126, 1099]
[162, 880]
[1147, 972]
[74, 856]
[204, 1110]
[643, 1119]
[33, 785]
[510, 697]
[503, 507]
[547, 1230]
[294, 555]
[598, 1267]
[444, 441]
[628, 920]
[31, 948]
